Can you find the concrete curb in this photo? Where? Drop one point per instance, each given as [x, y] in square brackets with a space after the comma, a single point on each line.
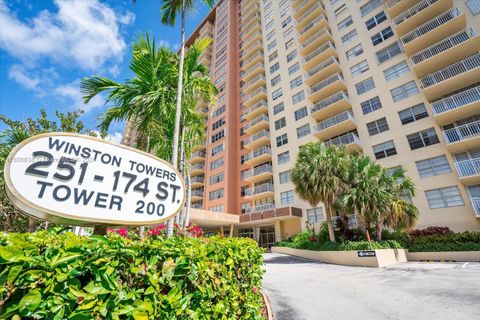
[267, 306]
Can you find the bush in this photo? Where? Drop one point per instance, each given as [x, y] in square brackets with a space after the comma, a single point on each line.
[430, 231]
[71, 277]
[462, 241]
[440, 247]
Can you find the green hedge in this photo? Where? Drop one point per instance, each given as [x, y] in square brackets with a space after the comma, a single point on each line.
[53, 276]
[462, 241]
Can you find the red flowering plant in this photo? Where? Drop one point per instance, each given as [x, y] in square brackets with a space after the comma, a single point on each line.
[158, 231]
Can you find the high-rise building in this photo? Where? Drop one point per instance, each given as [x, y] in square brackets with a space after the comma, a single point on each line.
[398, 80]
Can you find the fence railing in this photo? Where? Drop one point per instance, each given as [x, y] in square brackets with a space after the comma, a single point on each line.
[329, 101]
[476, 205]
[344, 139]
[456, 101]
[320, 85]
[410, 12]
[469, 167]
[462, 132]
[451, 71]
[330, 122]
[314, 37]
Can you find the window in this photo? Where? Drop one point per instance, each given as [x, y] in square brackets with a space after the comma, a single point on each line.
[301, 113]
[384, 150]
[276, 81]
[296, 98]
[422, 139]
[315, 215]
[277, 94]
[340, 10]
[292, 55]
[288, 32]
[289, 44]
[370, 6]
[389, 52]
[215, 194]
[270, 35]
[433, 166]
[286, 22]
[354, 52]
[303, 131]
[359, 68]
[283, 157]
[217, 178]
[396, 71]
[404, 91]
[217, 163]
[413, 113]
[296, 82]
[217, 149]
[278, 108]
[473, 6]
[293, 68]
[217, 136]
[444, 197]
[217, 124]
[280, 123]
[365, 86]
[371, 105]
[219, 208]
[284, 177]
[349, 37]
[375, 21]
[282, 140]
[345, 23]
[275, 67]
[377, 126]
[382, 36]
[273, 56]
[269, 25]
[272, 45]
[219, 111]
[286, 197]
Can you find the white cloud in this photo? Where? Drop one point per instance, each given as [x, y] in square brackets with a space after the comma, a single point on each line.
[70, 93]
[85, 33]
[115, 137]
[19, 74]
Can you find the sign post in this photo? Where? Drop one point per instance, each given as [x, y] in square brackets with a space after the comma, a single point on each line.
[76, 179]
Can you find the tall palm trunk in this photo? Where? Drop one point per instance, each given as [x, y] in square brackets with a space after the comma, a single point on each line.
[178, 110]
[183, 160]
[32, 225]
[189, 196]
[142, 228]
[328, 213]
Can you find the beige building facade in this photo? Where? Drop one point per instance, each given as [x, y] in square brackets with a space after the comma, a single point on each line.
[398, 80]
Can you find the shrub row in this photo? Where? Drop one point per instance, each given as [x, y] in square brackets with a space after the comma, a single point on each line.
[66, 276]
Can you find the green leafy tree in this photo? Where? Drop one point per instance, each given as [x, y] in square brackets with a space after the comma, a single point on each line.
[17, 131]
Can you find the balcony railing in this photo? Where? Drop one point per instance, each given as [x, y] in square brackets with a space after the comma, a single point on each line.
[256, 120]
[200, 154]
[246, 23]
[197, 193]
[330, 122]
[463, 132]
[249, 83]
[301, 5]
[258, 152]
[252, 36]
[198, 179]
[198, 166]
[469, 167]
[314, 37]
[443, 45]
[344, 139]
[431, 24]
[476, 205]
[264, 168]
[317, 51]
[263, 207]
[451, 71]
[413, 11]
[320, 67]
[258, 135]
[309, 11]
[329, 101]
[319, 86]
[197, 205]
[253, 57]
[253, 69]
[266, 187]
[456, 101]
[391, 3]
[255, 92]
[246, 13]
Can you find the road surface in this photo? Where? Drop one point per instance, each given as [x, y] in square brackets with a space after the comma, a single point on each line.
[304, 289]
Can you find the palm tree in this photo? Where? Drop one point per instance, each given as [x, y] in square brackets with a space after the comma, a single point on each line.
[318, 177]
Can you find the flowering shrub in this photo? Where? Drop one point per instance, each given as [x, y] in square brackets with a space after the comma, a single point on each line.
[159, 231]
[46, 275]
[430, 231]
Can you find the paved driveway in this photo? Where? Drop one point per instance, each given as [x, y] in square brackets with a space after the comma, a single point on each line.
[304, 289]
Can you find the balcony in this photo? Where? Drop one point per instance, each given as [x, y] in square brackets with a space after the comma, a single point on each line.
[199, 146]
[318, 55]
[257, 57]
[396, 7]
[257, 140]
[264, 207]
[260, 155]
[197, 181]
[253, 84]
[257, 109]
[252, 25]
[256, 36]
[463, 137]
[306, 18]
[456, 107]
[261, 191]
[255, 96]
[257, 47]
[446, 52]
[419, 13]
[317, 39]
[433, 31]
[197, 169]
[301, 6]
[257, 124]
[202, 110]
[322, 70]
[476, 206]
[247, 11]
[317, 24]
[260, 173]
[330, 106]
[258, 68]
[197, 195]
[326, 88]
[335, 126]
[469, 171]
[452, 78]
[197, 156]
[349, 140]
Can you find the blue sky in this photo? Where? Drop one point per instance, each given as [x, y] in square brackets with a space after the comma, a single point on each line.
[46, 47]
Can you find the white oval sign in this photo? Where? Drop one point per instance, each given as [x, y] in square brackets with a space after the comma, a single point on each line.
[76, 179]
